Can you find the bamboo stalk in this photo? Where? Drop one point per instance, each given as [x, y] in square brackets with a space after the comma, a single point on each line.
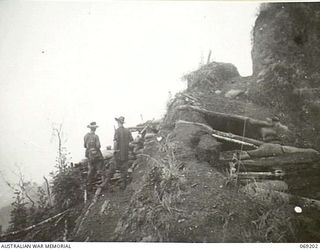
[234, 141]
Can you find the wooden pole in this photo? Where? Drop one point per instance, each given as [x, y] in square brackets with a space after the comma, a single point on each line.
[48, 190]
[225, 136]
[254, 122]
[209, 57]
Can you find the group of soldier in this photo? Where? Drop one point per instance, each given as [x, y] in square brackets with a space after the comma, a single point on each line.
[122, 139]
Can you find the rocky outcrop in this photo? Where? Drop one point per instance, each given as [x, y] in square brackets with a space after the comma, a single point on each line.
[285, 54]
[288, 33]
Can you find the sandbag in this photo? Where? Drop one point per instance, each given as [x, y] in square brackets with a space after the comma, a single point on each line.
[149, 136]
[107, 154]
[233, 93]
[269, 185]
[266, 150]
[291, 150]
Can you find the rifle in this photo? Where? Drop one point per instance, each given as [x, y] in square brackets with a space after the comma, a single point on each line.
[146, 126]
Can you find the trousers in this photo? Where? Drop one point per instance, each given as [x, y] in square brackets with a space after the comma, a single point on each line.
[122, 166]
[94, 167]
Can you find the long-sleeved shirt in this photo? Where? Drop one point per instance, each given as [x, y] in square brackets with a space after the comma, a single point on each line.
[122, 138]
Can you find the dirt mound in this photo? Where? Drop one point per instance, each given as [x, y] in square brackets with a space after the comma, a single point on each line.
[211, 75]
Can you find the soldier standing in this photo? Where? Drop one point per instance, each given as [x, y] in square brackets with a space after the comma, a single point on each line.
[122, 138]
[93, 153]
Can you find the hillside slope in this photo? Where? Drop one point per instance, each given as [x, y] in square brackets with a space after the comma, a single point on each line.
[182, 194]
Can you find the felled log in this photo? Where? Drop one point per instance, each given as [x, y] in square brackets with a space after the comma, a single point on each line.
[226, 136]
[270, 149]
[274, 156]
[261, 175]
[252, 121]
[27, 229]
[93, 202]
[104, 207]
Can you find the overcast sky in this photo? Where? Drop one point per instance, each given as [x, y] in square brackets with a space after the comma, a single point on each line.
[77, 62]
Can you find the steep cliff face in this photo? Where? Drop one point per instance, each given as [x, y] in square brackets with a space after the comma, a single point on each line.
[285, 54]
[285, 83]
[288, 33]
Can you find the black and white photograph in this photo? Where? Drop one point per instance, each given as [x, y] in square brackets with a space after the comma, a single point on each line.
[152, 122]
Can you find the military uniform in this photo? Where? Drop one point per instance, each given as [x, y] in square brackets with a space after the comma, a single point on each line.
[122, 138]
[93, 154]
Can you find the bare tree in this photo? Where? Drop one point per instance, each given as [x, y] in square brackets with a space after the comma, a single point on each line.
[209, 57]
[22, 185]
[48, 191]
[58, 134]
